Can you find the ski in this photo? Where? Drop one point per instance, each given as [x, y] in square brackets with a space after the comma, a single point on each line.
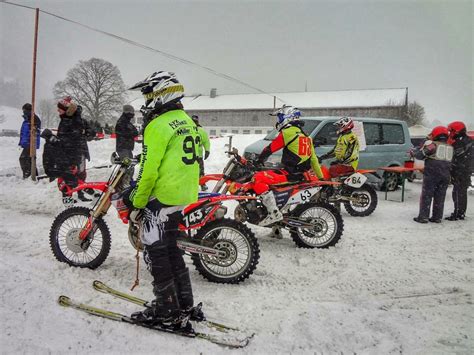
[104, 313]
[101, 287]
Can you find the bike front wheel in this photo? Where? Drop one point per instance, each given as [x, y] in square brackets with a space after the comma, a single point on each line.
[68, 248]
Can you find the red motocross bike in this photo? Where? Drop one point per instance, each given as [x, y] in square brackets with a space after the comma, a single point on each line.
[222, 250]
[312, 224]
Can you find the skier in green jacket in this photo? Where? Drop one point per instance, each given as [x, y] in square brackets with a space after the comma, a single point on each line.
[204, 148]
[168, 180]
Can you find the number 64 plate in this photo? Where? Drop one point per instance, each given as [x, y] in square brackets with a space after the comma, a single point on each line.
[356, 180]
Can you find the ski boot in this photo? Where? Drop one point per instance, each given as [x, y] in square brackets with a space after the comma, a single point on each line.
[164, 311]
[185, 296]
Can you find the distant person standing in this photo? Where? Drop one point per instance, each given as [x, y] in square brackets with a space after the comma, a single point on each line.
[25, 159]
[437, 154]
[125, 133]
[203, 148]
[461, 168]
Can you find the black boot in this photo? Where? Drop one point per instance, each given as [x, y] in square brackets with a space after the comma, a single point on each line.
[453, 217]
[164, 311]
[420, 220]
[185, 296]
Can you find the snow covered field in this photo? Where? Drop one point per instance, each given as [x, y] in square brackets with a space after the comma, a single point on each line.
[390, 285]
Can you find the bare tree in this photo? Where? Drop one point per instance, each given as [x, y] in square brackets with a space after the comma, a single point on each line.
[48, 113]
[415, 114]
[97, 86]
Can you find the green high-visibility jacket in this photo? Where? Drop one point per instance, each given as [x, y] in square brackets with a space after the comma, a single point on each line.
[168, 169]
[346, 150]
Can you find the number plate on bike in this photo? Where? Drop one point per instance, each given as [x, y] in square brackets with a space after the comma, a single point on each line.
[303, 196]
[356, 180]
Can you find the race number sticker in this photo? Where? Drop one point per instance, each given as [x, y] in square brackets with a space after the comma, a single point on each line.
[193, 218]
[303, 196]
[356, 180]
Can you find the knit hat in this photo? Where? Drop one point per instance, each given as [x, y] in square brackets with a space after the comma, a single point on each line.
[67, 105]
[128, 109]
[27, 107]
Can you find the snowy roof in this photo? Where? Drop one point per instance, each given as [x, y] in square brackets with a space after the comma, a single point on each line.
[316, 99]
[418, 130]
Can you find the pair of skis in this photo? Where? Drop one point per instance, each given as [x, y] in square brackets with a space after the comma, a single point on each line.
[214, 332]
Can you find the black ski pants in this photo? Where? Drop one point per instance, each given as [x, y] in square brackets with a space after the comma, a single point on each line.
[160, 232]
[25, 162]
[433, 190]
[460, 186]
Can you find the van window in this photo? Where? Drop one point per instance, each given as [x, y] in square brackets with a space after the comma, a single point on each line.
[235, 131]
[392, 134]
[327, 135]
[212, 132]
[258, 131]
[308, 128]
[372, 133]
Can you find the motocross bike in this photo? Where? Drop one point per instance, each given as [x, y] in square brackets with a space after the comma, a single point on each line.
[358, 197]
[222, 250]
[311, 224]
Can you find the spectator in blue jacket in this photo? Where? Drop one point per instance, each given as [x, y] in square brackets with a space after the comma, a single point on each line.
[25, 160]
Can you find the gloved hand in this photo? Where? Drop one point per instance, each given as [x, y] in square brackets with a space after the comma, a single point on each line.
[206, 154]
[49, 136]
[136, 215]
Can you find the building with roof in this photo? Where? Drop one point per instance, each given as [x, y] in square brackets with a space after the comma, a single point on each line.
[249, 113]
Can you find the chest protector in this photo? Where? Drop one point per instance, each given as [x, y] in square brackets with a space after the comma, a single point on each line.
[444, 152]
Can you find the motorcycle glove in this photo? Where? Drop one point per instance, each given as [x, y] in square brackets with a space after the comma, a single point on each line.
[136, 215]
[206, 154]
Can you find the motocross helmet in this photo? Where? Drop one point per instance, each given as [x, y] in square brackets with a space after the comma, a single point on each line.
[344, 124]
[285, 116]
[455, 128]
[160, 88]
[439, 133]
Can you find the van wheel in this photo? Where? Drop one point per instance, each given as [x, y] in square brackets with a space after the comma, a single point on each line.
[390, 181]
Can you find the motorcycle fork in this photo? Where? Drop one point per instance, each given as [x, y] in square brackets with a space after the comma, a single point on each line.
[102, 208]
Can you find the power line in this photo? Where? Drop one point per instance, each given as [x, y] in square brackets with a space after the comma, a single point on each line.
[143, 46]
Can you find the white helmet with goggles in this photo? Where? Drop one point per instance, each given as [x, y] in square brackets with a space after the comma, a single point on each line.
[285, 116]
[159, 89]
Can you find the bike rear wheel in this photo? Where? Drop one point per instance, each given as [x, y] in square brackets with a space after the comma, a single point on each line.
[241, 249]
[327, 221]
[68, 248]
[366, 204]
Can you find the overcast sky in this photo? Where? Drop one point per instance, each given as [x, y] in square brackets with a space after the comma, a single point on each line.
[276, 46]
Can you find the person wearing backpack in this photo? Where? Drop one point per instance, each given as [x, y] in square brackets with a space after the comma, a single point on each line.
[437, 154]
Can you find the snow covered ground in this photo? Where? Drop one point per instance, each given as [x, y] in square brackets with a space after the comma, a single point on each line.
[390, 285]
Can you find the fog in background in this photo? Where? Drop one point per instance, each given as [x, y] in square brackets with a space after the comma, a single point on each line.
[277, 46]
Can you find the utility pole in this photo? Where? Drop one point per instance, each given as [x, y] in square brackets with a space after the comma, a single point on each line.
[33, 99]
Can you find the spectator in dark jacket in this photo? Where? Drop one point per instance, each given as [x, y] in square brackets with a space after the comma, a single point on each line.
[25, 160]
[87, 135]
[437, 155]
[125, 133]
[461, 168]
[69, 141]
